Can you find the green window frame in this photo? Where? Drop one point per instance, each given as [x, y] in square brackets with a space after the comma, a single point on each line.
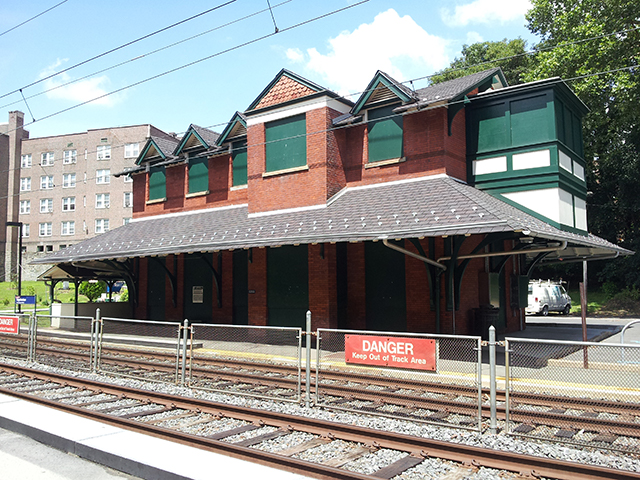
[157, 183]
[239, 163]
[286, 143]
[198, 174]
[385, 134]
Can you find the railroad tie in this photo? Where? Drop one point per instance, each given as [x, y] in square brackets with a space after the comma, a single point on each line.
[398, 467]
[309, 444]
[262, 438]
[349, 457]
[233, 431]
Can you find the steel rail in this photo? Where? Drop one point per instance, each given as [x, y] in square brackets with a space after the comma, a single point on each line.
[523, 464]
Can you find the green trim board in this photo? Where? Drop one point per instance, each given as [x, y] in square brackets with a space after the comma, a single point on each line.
[384, 134]
[150, 143]
[235, 120]
[198, 174]
[286, 143]
[379, 79]
[157, 183]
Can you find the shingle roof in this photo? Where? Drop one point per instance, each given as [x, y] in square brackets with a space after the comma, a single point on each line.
[167, 145]
[207, 135]
[427, 206]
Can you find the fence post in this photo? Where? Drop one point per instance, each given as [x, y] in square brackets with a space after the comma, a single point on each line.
[31, 338]
[95, 341]
[307, 385]
[492, 378]
[183, 370]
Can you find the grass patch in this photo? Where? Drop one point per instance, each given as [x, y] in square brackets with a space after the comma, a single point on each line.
[599, 303]
[9, 291]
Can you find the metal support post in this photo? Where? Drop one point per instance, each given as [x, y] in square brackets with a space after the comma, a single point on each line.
[183, 370]
[492, 378]
[31, 338]
[95, 340]
[307, 381]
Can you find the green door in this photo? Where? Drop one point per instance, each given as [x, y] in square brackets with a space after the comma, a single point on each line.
[198, 288]
[386, 300]
[155, 289]
[287, 286]
[240, 287]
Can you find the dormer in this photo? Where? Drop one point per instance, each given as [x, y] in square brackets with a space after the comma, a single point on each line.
[155, 153]
[194, 149]
[234, 140]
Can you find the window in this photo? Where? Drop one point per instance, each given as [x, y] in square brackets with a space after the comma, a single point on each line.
[25, 161]
[126, 220]
[157, 184]
[46, 205]
[239, 162]
[25, 184]
[25, 207]
[286, 143]
[49, 248]
[40, 248]
[131, 150]
[104, 152]
[68, 228]
[46, 159]
[25, 230]
[102, 200]
[128, 199]
[68, 180]
[68, 204]
[102, 225]
[45, 229]
[128, 179]
[102, 176]
[46, 182]
[198, 175]
[69, 156]
[385, 134]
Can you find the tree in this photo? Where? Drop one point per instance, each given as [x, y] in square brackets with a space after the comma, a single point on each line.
[510, 55]
[92, 290]
[595, 45]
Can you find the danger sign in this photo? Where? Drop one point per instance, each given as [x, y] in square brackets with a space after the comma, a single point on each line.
[414, 353]
[10, 325]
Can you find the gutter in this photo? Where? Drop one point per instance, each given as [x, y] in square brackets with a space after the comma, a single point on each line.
[562, 246]
[386, 243]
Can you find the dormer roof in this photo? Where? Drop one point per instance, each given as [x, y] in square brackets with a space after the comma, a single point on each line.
[237, 127]
[157, 148]
[197, 137]
[383, 89]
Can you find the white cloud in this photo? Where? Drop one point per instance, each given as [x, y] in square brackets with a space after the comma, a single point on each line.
[396, 45]
[80, 91]
[474, 37]
[295, 55]
[486, 11]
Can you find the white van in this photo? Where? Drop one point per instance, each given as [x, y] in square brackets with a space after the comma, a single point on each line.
[547, 296]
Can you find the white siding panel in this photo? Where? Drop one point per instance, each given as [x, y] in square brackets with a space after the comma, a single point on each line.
[539, 158]
[545, 201]
[581, 213]
[566, 208]
[578, 170]
[490, 165]
[564, 160]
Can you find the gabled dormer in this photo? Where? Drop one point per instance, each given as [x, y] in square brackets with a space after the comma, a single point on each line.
[194, 148]
[234, 139]
[154, 154]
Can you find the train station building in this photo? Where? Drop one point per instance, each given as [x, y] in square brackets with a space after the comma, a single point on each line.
[406, 210]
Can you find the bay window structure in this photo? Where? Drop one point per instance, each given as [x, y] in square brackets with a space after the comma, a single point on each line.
[68, 180]
[286, 143]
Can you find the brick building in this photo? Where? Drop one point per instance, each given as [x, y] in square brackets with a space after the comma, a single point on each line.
[63, 190]
[406, 210]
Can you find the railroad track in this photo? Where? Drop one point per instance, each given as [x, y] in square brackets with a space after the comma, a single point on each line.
[317, 448]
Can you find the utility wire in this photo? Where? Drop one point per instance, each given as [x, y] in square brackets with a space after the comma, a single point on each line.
[121, 47]
[32, 18]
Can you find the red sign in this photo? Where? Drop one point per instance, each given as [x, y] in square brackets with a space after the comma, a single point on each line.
[415, 353]
[10, 325]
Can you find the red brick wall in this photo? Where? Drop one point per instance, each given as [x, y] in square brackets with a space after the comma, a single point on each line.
[420, 318]
[258, 283]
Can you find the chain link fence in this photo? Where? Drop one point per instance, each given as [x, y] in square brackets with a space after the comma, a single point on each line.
[262, 362]
[582, 393]
[426, 378]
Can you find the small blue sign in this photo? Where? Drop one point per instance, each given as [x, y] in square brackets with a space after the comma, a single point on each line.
[26, 300]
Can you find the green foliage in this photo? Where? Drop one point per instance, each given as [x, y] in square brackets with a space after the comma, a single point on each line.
[124, 296]
[92, 290]
[609, 289]
[5, 301]
[510, 55]
[29, 290]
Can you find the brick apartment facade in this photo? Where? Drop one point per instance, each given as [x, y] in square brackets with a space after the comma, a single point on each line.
[368, 214]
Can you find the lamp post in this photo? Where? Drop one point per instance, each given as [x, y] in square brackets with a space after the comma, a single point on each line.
[19, 225]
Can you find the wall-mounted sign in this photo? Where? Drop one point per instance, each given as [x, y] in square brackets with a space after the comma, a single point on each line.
[197, 294]
[10, 325]
[397, 352]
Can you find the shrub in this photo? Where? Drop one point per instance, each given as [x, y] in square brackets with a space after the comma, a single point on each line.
[609, 289]
[92, 290]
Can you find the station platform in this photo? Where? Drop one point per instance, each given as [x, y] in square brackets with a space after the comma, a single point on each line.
[51, 435]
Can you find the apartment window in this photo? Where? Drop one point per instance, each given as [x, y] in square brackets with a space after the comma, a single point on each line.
[102, 200]
[25, 207]
[25, 184]
[157, 183]
[68, 180]
[25, 161]
[46, 159]
[126, 220]
[45, 229]
[198, 175]
[128, 196]
[46, 205]
[40, 248]
[286, 143]
[102, 176]
[46, 182]
[49, 248]
[68, 228]
[25, 230]
[102, 225]
[68, 204]
[385, 134]
[128, 179]
[104, 152]
[131, 150]
[239, 163]
[69, 156]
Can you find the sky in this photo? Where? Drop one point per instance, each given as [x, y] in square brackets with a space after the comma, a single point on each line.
[236, 52]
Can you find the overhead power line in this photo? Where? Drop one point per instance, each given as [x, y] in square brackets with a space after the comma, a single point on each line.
[33, 18]
[144, 37]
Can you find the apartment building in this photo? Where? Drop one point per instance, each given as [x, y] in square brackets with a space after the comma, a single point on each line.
[66, 191]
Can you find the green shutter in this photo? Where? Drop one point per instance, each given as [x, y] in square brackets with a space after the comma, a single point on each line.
[286, 143]
[239, 163]
[198, 175]
[385, 134]
[157, 183]
[493, 133]
[531, 121]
